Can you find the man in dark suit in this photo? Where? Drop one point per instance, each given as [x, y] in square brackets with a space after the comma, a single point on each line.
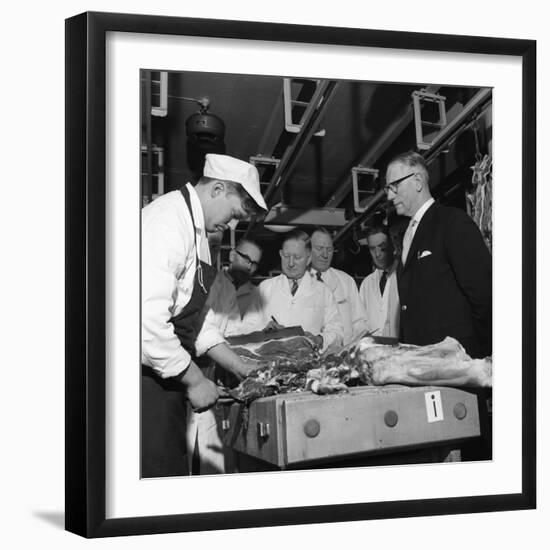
[444, 276]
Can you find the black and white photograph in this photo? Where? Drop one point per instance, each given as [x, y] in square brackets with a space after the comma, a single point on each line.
[290, 262]
[316, 273]
[295, 254]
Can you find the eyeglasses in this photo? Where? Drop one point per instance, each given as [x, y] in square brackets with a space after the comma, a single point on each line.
[394, 184]
[247, 259]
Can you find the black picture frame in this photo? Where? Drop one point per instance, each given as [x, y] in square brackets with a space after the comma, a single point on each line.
[86, 263]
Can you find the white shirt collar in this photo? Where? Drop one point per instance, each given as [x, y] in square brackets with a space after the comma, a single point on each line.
[290, 281]
[198, 214]
[314, 271]
[422, 210]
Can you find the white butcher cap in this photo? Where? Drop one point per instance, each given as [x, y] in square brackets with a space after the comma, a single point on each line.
[223, 167]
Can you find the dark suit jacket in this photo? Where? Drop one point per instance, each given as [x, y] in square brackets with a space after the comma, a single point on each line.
[445, 286]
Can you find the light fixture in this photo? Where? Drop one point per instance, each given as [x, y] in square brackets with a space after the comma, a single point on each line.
[204, 127]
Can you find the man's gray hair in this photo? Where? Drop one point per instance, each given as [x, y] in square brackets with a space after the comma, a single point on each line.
[412, 159]
[321, 229]
[297, 235]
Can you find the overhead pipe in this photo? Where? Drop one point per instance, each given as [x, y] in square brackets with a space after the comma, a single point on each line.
[375, 199]
[316, 108]
[479, 102]
[318, 104]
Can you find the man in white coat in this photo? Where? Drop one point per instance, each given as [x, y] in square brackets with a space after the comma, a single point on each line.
[176, 274]
[378, 291]
[343, 287]
[229, 311]
[297, 298]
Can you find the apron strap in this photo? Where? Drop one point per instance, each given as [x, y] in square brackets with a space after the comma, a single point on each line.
[187, 198]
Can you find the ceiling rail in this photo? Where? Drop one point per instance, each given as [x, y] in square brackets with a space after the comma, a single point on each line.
[471, 110]
[319, 102]
[457, 126]
[316, 108]
[380, 147]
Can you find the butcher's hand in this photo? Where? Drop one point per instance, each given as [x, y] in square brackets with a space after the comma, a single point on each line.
[316, 340]
[201, 392]
[273, 325]
[244, 369]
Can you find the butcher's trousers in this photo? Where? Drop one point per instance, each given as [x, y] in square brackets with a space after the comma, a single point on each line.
[163, 421]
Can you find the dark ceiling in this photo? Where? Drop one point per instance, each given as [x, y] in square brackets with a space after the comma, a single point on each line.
[361, 119]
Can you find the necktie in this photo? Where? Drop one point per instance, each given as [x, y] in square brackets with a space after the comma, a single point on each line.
[319, 277]
[407, 240]
[294, 287]
[383, 280]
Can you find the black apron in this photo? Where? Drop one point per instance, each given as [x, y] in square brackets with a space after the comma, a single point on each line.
[163, 407]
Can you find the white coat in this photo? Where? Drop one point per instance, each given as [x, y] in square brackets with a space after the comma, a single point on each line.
[168, 264]
[312, 307]
[382, 311]
[227, 312]
[349, 304]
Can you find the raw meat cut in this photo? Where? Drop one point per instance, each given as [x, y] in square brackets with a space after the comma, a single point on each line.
[442, 364]
[292, 364]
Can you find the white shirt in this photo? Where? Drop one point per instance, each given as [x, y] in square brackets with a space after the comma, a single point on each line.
[168, 267]
[228, 311]
[346, 295]
[411, 229]
[312, 307]
[382, 310]
[419, 215]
